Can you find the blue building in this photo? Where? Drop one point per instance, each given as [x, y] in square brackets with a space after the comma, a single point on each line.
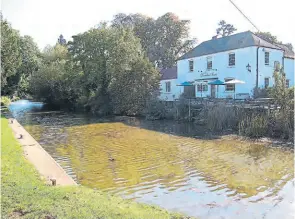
[243, 56]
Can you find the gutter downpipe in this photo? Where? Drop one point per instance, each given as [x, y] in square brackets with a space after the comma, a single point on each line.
[257, 60]
[283, 60]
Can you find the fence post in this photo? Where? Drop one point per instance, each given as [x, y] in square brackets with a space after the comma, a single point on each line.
[189, 109]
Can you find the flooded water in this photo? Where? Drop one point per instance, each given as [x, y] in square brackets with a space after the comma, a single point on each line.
[169, 164]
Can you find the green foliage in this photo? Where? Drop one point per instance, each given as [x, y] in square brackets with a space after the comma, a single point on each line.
[254, 125]
[117, 77]
[225, 29]
[155, 109]
[267, 36]
[261, 92]
[30, 62]
[281, 125]
[164, 39]
[5, 101]
[25, 195]
[283, 96]
[10, 54]
[56, 80]
[20, 57]
[220, 117]
[61, 40]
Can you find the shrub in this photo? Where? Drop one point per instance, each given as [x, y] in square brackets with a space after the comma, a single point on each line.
[219, 117]
[281, 125]
[253, 125]
[261, 92]
[155, 109]
[5, 101]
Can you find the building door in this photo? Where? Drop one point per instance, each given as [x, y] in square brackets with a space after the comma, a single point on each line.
[213, 91]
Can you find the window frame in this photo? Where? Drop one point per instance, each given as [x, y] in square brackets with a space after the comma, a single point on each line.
[168, 87]
[229, 85]
[266, 85]
[202, 87]
[231, 60]
[191, 65]
[209, 60]
[276, 65]
[266, 58]
[287, 83]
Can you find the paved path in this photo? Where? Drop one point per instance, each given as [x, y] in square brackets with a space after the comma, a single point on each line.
[44, 163]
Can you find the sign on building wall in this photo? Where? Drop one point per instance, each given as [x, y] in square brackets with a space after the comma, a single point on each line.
[206, 74]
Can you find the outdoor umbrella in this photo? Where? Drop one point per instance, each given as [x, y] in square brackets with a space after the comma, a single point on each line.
[185, 84]
[234, 81]
[216, 82]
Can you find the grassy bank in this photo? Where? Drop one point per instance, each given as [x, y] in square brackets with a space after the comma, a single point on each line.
[25, 195]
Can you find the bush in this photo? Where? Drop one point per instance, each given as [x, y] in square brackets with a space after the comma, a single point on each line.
[5, 101]
[281, 125]
[253, 126]
[261, 92]
[155, 110]
[219, 117]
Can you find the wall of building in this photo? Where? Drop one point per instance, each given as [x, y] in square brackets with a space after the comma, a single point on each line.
[266, 71]
[173, 94]
[221, 70]
[289, 70]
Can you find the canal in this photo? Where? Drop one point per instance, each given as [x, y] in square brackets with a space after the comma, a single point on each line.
[167, 163]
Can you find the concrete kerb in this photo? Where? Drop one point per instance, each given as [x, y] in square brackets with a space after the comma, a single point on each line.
[48, 168]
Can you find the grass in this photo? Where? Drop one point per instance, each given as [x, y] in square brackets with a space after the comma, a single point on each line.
[25, 195]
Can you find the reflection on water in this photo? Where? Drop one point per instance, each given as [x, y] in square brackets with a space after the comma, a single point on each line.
[164, 163]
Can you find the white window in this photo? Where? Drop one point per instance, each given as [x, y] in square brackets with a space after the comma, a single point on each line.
[209, 62]
[168, 86]
[191, 65]
[287, 83]
[266, 82]
[203, 87]
[229, 87]
[231, 59]
[276, 65]
[266, 58]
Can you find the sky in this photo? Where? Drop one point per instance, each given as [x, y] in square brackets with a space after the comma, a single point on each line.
[45, 20]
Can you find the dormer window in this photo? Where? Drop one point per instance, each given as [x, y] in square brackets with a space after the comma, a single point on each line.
[191, 65]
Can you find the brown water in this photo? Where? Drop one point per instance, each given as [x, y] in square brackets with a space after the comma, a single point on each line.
[167, 164]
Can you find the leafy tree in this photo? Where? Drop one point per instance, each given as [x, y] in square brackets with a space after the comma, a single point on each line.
[283, 96]
[20, 57]
[113, 63]
[267, 36]
[61, 40]
[164, 39]
[290, 46]
[10, 54]
[30, 61]
[281, 122]
[225, 29]
[57, 80]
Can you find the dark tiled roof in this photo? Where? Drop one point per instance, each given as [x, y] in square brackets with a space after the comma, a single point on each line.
[236, 41]
[169, 73]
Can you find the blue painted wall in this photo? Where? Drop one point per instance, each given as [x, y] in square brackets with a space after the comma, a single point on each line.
[289, 70]
[243, 57]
